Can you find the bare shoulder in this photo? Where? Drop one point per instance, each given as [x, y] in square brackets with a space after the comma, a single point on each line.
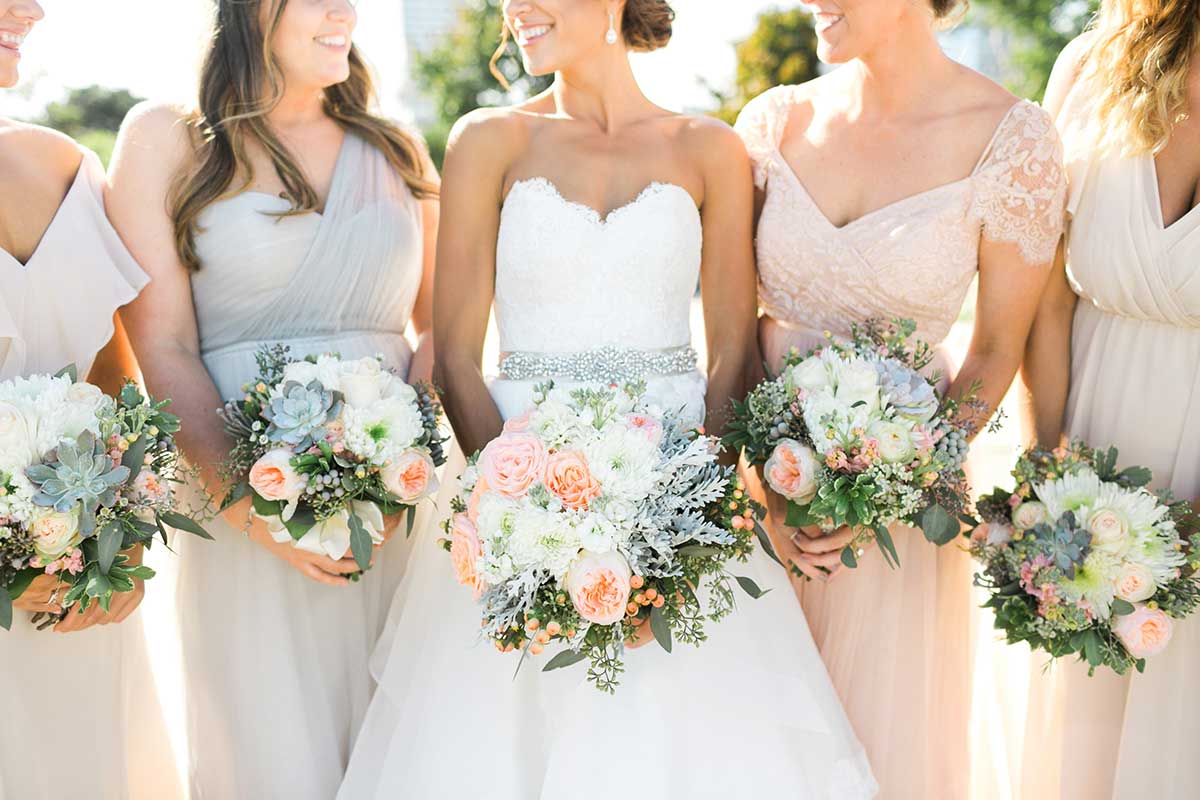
[150, 124]
[708, 139]
[978, 96]
[489, 133]
[52, 155]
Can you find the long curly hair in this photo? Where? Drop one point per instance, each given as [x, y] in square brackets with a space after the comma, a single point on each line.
[240, 83]
[1137, 63]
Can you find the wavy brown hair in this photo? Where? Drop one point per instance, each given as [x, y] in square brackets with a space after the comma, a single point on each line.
[1138, 62]
[240, 83]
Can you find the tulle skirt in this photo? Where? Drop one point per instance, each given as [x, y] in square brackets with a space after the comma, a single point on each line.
[748, 714]
[81, 716]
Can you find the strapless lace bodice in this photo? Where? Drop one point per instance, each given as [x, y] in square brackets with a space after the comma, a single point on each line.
[571, 282]
[914, 258]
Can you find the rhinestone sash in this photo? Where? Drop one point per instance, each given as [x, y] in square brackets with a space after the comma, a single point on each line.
[604, 365]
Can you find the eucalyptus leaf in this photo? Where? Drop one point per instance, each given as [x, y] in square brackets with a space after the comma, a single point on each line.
[1121, 608]
[301, 523]
[884, 538]
[135, 457]
[110, 537]
[360, 543]
[69, 371]
[1091, 648]
[183, 523]
[764, 541]
[564, 659]
[698, 550]
[848, 558]
[660, 628]
[1135, 476]
[266, 508]
[410, 522]
[6, 611]
[750, 587]
[938, 525]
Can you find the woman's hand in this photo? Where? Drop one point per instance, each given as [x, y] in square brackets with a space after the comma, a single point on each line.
[642, 635]
[823, 551]
[319, 568]
[42, 596]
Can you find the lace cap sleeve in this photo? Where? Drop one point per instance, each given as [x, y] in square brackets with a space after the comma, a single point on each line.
[760, 126]
[1022, 188]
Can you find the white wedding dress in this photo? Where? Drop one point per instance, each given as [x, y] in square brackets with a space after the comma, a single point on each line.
[750, 713]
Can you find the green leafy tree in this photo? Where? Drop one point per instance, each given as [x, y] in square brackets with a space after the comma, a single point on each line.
[781, 50]
[91, 115]
[455, 75]
[1040, 30]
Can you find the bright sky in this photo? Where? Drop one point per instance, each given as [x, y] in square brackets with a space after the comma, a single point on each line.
[152, 48]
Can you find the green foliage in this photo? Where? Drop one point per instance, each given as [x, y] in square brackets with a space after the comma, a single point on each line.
[1041, 29]
[91, 116]
[781, 50]
[454, 73]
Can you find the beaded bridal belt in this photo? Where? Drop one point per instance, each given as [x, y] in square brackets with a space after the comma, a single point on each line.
[605, 365]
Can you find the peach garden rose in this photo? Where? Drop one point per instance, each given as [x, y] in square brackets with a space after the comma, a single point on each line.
[274, 478]
[792, 471]
[569, 479]
[411, 476]
[1146, 632]
[513, 462]
[599, 586]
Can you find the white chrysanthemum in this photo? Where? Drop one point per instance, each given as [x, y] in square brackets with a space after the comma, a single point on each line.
[383, 430]
[18, 503]
[543, 539]
[1071, 492]
[1094, 581]
[624, 462]
[1157, 550]
[38, 412]
[558, 424]
[495, 525]
[823, 412]
[599, 534]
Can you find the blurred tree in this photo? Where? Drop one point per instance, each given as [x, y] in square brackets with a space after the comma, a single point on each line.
[781, 50]
[454, 73]
[91, 115]
[1040, 29]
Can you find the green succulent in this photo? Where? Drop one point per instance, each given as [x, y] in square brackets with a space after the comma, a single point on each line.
[299, 411]
[1066, 543]
[82, 473]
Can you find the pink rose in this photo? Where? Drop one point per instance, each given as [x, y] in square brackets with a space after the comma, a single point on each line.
[569, 479]
[518, 424]
[512, 463]
[410, 477]
[599, 586]
[648, 425]
[151, 489]
[1134, 583]
[1146, 632]
[274, 478]
[792, 471]
[464, 553]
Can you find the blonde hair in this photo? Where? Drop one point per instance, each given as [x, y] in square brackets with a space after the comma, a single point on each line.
[233, 107]
[1138, 63]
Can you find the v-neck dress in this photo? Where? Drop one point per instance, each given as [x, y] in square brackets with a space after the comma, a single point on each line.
[79, 714]
[899, 642]
[1135, 384]
[276, 665]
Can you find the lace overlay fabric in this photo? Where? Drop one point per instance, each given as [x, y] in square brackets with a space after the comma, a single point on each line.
[913, 258]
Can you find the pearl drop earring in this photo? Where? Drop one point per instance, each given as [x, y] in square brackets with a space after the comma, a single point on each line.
[611, 36]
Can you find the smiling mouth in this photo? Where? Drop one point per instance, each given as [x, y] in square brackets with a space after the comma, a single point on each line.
[11, 41]
[532, 34]
[826, 22]
[333, 42]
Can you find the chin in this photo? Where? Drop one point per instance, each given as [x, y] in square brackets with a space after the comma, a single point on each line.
[538, 66]
[833, 53]
[8, 78]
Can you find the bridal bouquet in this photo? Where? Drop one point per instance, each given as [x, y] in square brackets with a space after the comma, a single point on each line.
[325, 447]
[590, 516]
[83, 478]
[856, 435]
[1084, 559]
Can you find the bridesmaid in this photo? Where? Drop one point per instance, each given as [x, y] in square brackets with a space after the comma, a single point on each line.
[1113, 359]
[63, 275]
[886, 187]
[282, 209]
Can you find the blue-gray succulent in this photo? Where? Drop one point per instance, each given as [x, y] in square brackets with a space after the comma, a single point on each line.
[1065, 543]
[906, 390]
[81, 472]
[299, 411]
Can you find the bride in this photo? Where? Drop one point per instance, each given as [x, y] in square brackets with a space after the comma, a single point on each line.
[579, 216]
